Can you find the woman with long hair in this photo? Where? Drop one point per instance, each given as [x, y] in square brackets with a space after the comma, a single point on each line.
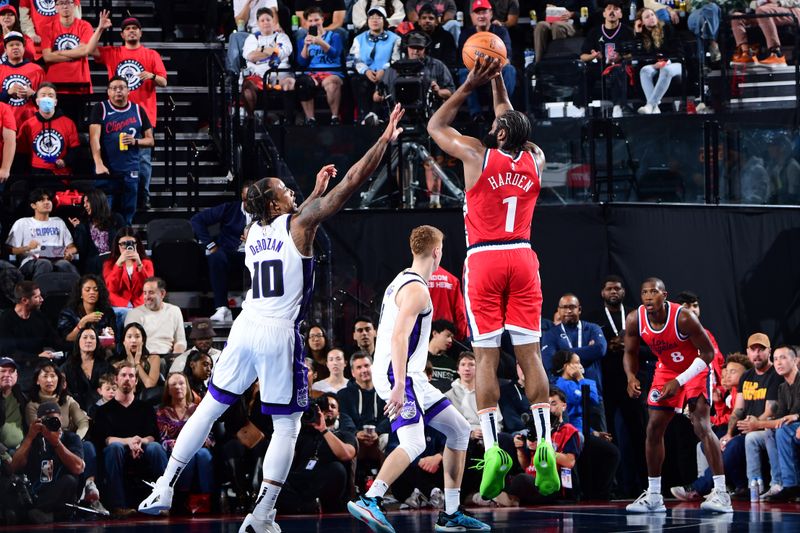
[86, 363]
[88, 305]
[317, 349]
[9, 21]
[134, 350]
[125, 271]
[176, 408]
[94, 236]
[335, 380]
[198, 370]
[659, 43]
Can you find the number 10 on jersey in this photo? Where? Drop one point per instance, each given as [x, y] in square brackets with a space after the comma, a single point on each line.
[268, 279]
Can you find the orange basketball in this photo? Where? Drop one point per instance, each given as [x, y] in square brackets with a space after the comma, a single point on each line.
[483, 43]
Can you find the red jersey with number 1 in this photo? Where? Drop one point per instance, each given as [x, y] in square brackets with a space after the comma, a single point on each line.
[674, 350]
[499, 207]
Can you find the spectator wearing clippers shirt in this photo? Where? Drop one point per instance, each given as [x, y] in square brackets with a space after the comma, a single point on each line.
[144, 70]
[19, 78]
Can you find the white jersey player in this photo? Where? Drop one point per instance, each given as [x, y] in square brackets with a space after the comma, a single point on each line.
[398, 374]
[265, 342]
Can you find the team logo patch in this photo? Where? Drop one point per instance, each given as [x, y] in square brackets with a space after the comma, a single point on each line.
[655, 395]
[130, 70]
[48, 144]
[46, 8]
[409, 410]
[66, 41]
[302, 397]
[12, 80]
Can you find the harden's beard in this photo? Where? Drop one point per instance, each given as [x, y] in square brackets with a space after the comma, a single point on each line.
[490, 140]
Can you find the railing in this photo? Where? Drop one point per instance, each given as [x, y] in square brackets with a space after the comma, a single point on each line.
[192, 177]
[170, 149]
[224, 112]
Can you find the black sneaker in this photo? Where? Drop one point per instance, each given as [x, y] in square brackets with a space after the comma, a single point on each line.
[335, 121]
[310, 122]
[787, 494]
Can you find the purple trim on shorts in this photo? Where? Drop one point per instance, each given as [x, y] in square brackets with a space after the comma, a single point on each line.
[221, 395]
[411, 396]
[435, 409]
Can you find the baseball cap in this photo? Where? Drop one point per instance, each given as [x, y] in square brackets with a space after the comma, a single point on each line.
[8, 7]
[201, 329]
[758, 338]
[477, 5]
[13, 36]
[377, 9]
[417, 39]
[47, 408]
[131, 21]
[7, 361]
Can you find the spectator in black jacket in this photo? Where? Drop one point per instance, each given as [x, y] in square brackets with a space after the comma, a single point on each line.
[25, 333]
[86, 363]
[443, 46]
[224, 251]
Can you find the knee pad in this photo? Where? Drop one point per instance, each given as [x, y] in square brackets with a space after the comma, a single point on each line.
[412, 440]
[304, 87]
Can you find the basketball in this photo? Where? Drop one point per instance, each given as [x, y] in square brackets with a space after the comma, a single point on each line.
[486, 44]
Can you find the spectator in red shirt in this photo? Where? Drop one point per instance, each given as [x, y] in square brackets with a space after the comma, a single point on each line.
[49, 136]
[8, 141]
[144, 70]
[10, 22]
[66, 45]
[35, 15]
[19, 78]
[448, 301]
[125, 271]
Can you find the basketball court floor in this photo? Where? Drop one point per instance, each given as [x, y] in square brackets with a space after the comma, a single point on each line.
[600, 518]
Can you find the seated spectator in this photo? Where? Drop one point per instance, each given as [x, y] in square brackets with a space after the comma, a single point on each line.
[198, 370]
[87, 306]
[126, 435]
[724, 395]
[9, 21]
[448, 301]
[225, 251]
[769, 27]
[12, 407]
[117, 129]
[445, 14]
[162, 321]
[25, 333]
[566, 442]
[703, 22]
[658, 43]
[82, 370]
[569, 372]
[317, 349]
[335, 367]
[107, 389]
[563, 27]
[49, 386]
[393, 9]
[462, 395]
[443, 45]
[329, 440]
[372, 51]
[52, 458]
[125, 272]
[514, 403]
[95, 231]
[176, 408]
[246, 16]
[202, 335]
[445, 368]
[506, 12]
[49, 136]
[23, 75]
[332, 11]
[34, 17]
[147, 365]
[41, 243]
[604, 61]
[786, 425]
[266, 50]
[481, 15]
[320, 51]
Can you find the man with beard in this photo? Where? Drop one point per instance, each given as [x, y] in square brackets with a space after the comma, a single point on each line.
[126, 434]
[144, 70]
[162, 321]
[443, 46]
[203, 336]
[501, 273]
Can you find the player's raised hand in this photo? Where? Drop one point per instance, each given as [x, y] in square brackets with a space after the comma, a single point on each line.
[392, 130]
[323, 178]
[484, 70]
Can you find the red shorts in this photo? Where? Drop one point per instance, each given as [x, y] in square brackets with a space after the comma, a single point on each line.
[502, 289]
[258, 81]
[695, 388]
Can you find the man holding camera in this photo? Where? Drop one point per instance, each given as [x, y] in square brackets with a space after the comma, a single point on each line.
[322, 460]
[52, 458]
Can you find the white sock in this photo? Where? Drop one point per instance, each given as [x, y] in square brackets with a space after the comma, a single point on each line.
[265, 503]
[719, 483]
[452, 499]
[434, 198]
[378, 489]
[541, 420]
[192, 437]
[488, 418]
[654, 485]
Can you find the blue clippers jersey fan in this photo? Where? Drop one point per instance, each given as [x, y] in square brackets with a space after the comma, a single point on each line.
[113, 121]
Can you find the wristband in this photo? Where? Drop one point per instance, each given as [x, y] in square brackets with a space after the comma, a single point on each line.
[697, 366]
[326, 431]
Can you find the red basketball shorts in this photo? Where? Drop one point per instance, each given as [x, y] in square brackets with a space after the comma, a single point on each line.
[693, 389]
[502, 290]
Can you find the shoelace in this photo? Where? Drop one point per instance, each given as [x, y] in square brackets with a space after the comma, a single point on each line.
[479, 464]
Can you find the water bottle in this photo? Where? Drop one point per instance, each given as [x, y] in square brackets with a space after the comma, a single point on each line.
[632, 14]
[533, 17]
[755, 489]
[460, 17]
[350, 62]
[584, 14]
[295, 23]
[530, 57]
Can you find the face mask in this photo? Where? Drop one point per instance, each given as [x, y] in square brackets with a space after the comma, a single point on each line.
[490, 140]
[47, 105]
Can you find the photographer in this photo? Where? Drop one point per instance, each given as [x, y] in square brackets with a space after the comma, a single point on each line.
[325, 449]
[52, 459]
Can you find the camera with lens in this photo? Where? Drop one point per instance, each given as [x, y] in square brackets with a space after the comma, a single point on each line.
[130, 248]
[52, 423]
[530, 426]
[316, 409]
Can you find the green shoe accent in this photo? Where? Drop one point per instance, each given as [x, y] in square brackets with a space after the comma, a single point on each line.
[547, 478]
[496, 464]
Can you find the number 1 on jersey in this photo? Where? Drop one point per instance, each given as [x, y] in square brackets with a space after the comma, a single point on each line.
[510, 213]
